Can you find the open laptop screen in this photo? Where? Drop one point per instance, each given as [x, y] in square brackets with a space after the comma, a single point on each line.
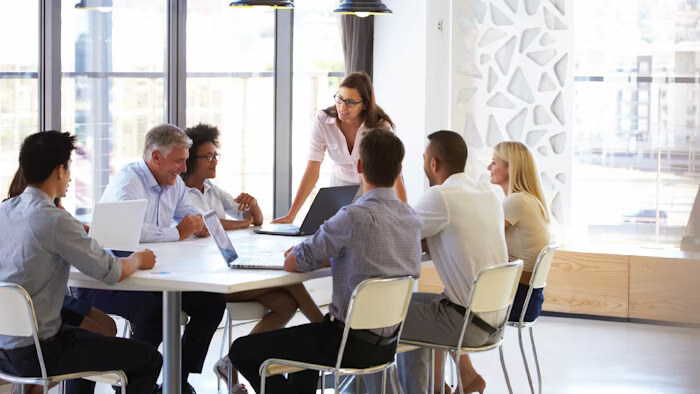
[216, 230]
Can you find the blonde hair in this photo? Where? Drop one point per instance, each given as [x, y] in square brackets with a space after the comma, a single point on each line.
[522, 172]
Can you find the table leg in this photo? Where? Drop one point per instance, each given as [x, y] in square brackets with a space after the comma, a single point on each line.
[172, 349]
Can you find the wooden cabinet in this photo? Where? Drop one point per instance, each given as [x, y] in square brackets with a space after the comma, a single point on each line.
[664, 286]
[665, 289]
[588, 283]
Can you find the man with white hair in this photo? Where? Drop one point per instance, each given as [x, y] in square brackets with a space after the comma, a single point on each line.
[156, 179]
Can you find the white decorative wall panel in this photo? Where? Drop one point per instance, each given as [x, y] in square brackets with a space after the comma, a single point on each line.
[511, 77]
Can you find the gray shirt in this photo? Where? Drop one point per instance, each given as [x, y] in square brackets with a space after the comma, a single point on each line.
[376, 237]
[40, 243]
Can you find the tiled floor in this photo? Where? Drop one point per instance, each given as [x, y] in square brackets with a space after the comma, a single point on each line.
[577, 356]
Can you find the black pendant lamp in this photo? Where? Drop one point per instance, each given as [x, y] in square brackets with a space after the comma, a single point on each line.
[97, 5]
[362, 8]
[277, 4]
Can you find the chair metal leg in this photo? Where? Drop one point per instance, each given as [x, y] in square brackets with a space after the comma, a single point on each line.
[460, 386]
[221, 348]
[384, 382]
[431, 372]
[263, 378]
[537, 362]
[505, 371]
[522, 352]
[323, 382]
[336, 380]
[123, 381]
[442, 373]
[229, 376]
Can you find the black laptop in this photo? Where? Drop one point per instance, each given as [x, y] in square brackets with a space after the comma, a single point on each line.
[327, 203]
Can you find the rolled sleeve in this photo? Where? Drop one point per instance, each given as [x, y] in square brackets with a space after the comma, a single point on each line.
[317, 144]
[328, 242]
[84, 253]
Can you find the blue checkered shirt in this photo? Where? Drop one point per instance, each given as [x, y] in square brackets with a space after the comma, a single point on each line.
[376, 237]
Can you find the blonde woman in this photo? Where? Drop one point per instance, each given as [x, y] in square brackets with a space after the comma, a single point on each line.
[526, 216]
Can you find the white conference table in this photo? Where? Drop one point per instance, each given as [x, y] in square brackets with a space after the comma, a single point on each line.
[197, 265]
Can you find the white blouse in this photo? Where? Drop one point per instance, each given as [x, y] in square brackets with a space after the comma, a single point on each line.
[215, 199]
[326, 135]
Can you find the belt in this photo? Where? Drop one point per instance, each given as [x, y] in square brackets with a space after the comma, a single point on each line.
[362, 335]
[476, 320]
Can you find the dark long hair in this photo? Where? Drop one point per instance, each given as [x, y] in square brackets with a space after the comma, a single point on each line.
[18, 185]
[373, 115]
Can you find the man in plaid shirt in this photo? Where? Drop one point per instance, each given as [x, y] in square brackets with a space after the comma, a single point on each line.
[376, 237]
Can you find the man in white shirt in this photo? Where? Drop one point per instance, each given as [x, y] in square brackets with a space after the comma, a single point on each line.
[463, 232]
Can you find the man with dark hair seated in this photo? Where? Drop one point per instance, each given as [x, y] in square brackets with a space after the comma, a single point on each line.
[376, 237]
[41, 242]
[463, 232]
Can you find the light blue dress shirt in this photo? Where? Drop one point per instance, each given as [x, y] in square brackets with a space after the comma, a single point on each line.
[40, 243]
[166, 204]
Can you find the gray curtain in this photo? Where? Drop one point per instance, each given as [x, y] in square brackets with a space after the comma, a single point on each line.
[358, 43]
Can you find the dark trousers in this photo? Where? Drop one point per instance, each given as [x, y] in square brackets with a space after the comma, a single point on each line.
[144, 310]
[312, 343]
[534, 306]
[76, 350]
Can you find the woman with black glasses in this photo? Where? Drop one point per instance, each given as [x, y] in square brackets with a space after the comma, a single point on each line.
[280, 302]
[338, 129]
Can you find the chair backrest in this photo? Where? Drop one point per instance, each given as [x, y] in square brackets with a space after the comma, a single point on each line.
[379, 303]
[15, 302]
[494, 287]
[542, 266]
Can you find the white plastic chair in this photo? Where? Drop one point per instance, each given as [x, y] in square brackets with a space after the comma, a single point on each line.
[494, 290]
[375, 303]
[16, 302]
[538, 280]
[238, 311]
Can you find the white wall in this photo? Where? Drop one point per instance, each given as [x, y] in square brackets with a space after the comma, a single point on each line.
[478, 77]
[411, 77]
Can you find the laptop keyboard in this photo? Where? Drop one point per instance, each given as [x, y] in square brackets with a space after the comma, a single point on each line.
[251, 261]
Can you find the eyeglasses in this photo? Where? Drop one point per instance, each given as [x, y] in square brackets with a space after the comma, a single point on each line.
[349, 102]
[210, 156]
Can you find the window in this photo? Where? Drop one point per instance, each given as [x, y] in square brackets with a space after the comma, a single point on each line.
[318, 70]
[636, 165]
[19, 86]
[113, 88]
[230, 84]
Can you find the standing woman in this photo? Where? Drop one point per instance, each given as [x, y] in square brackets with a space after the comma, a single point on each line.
[339, 129]
[526, 217]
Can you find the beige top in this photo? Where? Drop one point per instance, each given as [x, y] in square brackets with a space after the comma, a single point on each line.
[528, 232]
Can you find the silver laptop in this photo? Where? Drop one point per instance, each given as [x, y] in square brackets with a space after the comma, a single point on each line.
[216, 230]
[117, 225]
